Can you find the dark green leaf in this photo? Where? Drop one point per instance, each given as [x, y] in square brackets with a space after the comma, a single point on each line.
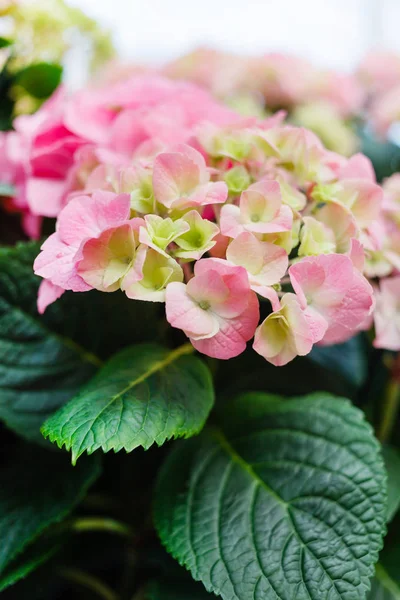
[144, 394]
[35, 555]
[286, 499]
[177, 589]
[251, 372]
[40, 80]
[37, 488]
[348, 360]
[391, 456]
[6, 101]
[385, 155]
[383, 587]
[45, 359]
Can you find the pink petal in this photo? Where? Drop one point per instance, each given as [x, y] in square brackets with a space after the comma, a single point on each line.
[45, 196]
[105, 260]
[357, 254]
[231, 339]
[57, 262]
[322, 280]
[266, 263]
[87, 216]
[184, 313]
[208, 287]
[174, 175]
[358, 167]
[47, 294]
[230, 222]
[347, 318]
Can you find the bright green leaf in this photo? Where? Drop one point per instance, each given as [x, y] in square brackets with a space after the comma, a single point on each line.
[37, 488]
[391, 456]
[40, 80]
[4, 42]
[45, 359]
[144, 394]
[285, 499]
[383, 587]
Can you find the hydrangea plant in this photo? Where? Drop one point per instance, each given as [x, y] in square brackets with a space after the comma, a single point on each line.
[213, 277]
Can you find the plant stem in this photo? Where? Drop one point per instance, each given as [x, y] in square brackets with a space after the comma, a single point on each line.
[391, 407]
[88, 581]
[101, 524]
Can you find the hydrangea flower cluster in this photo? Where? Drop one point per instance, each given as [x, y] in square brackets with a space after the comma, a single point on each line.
[322, 100]
[70, 142]
[379, 72]
[219, 214]
[319, 99]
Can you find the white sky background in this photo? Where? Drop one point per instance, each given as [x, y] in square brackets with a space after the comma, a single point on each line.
[335, 33]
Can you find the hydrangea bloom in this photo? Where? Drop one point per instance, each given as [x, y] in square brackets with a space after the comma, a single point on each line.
[222, 215]
[69, 144]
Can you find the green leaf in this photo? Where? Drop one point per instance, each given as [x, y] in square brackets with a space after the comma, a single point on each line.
[37, 488]
[40, 80]
[40, 368]
[391, 456]
[385, 155]
[144, 394]
[251, 372]
[177, 589]
[285, 499]
[383, 587]
[4, 42]
[33, 557]
[348, 360]
[45, 359]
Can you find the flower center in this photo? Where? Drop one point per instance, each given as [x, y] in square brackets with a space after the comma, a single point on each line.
[255, 218]
[204, 305]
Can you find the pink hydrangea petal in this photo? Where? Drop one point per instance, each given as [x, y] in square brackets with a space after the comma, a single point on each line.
[386, 315]
[101, 264]
[341, 221]
[317, 324]
[47, 294]
[45, 196]
[87, 216]
[32, 225]
[282, 221]
[358, 166]
[209, 193]
[357, 254]
[230, 341]
[369, 198]
[236, 280]
[208, 287]
[262, 197]
[347, 318]
[230, 222]
[265, 262]
[184, 313]
[285, 341]
[323, 280]
[174, 175]
[57, 262]
[269, 293]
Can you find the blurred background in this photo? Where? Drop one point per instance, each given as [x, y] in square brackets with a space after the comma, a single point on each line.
[332, 33]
